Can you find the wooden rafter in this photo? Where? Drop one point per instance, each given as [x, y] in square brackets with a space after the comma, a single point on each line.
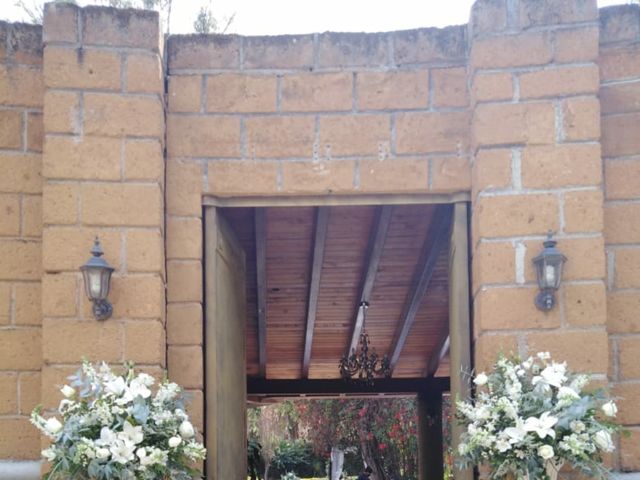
[322, 221]
[434, 243]
[261, 276]
[439, 352]
[383, 219]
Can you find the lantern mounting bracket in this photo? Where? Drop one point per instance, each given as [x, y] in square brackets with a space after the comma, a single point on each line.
[102, 309]
[546, 299]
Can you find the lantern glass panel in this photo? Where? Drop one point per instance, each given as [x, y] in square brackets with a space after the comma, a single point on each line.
[106, 278]
[96, 281]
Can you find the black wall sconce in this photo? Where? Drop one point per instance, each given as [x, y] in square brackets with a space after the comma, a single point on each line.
[97, 278]
[549, 273]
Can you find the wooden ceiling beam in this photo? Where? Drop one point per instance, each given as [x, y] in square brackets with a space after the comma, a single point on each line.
[439, 352]
[376, 244]
[257, 387]
[322, 221]
[260, 221]
[433, 245]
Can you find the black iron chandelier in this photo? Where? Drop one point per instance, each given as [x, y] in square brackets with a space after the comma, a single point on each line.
[363, 364]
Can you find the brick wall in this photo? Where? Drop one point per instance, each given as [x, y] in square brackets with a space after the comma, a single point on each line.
[537, 167]
[524, 109]
[620, 104]
[103, 175]
[302, 115]
[20, 236]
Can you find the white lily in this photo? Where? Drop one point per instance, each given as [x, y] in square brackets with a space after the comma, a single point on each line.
[516, 434]
[117, 386]
[131, 433]
[543, 426]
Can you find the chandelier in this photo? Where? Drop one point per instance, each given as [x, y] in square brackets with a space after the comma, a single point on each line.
[362, 363]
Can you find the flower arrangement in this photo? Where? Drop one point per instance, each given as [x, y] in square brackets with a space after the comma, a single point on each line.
[113, 426]
[530, 417]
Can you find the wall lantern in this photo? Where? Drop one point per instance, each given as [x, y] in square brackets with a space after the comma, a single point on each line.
[549, 272]
[97, 277]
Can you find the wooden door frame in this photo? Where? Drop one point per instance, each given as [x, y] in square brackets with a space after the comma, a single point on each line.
[460, 321]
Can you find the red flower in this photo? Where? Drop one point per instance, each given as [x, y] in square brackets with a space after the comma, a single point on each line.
[382, 446]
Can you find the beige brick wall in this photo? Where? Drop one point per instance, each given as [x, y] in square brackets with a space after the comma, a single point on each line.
[103, 172]
[620, 104]
[532, 108]
[302, 115]
[20, 236]
[536, 166]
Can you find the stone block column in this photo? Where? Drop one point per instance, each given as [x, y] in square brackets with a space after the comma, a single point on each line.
[103, 175]
[20, 236]
[620, 96]
[537, 166]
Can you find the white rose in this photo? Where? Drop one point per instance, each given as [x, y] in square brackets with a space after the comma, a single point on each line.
[610, 409]
[53, 425]
[174, 442]
[546, 452]
[603, 441]
[481, 379]
[102, 453]
[68, 391]
[49, 454]
[567, 393]
[186, 429]
[577, 426]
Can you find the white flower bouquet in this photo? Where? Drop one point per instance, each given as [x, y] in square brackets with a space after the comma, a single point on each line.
[530, 417]
[115, 427]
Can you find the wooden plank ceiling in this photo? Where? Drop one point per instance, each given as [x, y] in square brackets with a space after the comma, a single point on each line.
[308, 269]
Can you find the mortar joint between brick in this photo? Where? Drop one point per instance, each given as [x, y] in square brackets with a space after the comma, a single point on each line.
[205, 176]
[356, 175]
[24, 119]
[241, 53]
[616, 359]
[243, 138]
[561, 216]
[123, 73]
[523, 347]
[278, 93]
[21, 215]
[122, 158]
[12, 306]
[203, 93]
[79, 28]
[516, 169]
[520, 255]
[354, 92]
[316, 52]
[611, 268]
[393, 133]
[80, 116]
[391, 47]
[431, 94]
[279, 176]
[559, 121]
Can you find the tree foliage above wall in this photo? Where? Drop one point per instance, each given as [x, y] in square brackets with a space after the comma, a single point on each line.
[205, 21]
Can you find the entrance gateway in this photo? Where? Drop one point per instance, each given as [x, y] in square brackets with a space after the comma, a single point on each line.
[296, 269]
